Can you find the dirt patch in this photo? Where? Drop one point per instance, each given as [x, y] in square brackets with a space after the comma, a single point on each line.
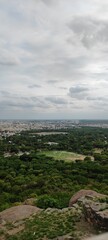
[16, 230]
[85, 229]
[2, 238]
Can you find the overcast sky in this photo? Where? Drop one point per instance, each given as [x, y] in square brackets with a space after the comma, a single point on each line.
[54, 59]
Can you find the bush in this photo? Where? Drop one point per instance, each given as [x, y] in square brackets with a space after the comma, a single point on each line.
[46, 201]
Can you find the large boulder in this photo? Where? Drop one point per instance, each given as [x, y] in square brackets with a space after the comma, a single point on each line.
[94, 207]
[83, 193]
[96, 213]
[18, 213]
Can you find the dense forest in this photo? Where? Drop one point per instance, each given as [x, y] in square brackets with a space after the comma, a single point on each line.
[26, 172]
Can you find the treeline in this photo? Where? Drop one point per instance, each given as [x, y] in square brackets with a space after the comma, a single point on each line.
[81, 140]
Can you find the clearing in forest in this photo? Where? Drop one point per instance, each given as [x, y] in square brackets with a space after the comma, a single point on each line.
[64, 155]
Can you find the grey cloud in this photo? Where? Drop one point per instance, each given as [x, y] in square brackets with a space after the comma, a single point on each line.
[34, 99]
[102, 106]
[79, 62]
[5, 93]
[96, 98]
[56, 100]
[69, 68]
[48, 2]
[34, 86]
[64, 88]
[39, 99]
[6, 62]
[40, 102]
[89, 31]
[52, 81]
[36, 58]
[11, 104]
[7, 58]
[74, 62]
[78, 92]
[37, 46]
[23, 103]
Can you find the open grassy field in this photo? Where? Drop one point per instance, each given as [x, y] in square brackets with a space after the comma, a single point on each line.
[64, 155]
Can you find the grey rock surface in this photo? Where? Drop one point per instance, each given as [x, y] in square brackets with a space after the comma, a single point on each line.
[83, 193]
[94, 207]
[18, 213]
[100, 237]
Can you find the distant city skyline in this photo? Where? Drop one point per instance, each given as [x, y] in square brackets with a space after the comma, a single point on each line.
[53, 59]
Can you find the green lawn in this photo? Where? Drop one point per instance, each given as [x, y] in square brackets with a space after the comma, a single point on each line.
[63, 155]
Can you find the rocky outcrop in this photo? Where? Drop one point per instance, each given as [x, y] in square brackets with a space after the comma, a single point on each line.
[94, 207]
[100, 237]
[96, 213]
[83, 193]
[12, 220]
[17, 213]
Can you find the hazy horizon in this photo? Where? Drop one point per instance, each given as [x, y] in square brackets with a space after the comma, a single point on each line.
[52, 119]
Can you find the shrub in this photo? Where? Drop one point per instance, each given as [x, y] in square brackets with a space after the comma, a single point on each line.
[46, 201]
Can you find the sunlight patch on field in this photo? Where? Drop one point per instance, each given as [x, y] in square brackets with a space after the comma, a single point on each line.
[63, 155]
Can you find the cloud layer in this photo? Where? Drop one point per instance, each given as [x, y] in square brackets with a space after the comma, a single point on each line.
[53, 59]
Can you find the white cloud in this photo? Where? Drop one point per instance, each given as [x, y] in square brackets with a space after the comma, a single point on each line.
[56, 53]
